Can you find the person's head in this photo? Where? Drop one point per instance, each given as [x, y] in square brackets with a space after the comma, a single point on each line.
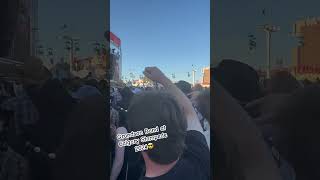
[75, 83]
[184, 86]
[126, 95]
[34, 72]
[299, 124]
[282, 82]
[239, 79]
[203, 103]
[197, 87]
[151, 109]
[103, 85]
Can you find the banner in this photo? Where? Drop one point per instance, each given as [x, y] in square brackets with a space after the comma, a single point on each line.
[305, 69]
[115, 40]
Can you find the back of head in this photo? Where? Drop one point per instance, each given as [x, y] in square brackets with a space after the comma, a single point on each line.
[151, 109]
[103, 84]
[184, 86]
[126, 92]
[282, 82]
[33, 69]
[75, 83]
[299, 118]
[126, 95]
[197, 87]
[239, 79]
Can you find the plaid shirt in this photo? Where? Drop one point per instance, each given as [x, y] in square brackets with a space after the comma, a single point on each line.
[13, 166]
[25, 113]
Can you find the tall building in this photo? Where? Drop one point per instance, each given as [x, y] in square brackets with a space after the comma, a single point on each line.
[206, 77]
[26, 30]
[34, 35]
[306, 63]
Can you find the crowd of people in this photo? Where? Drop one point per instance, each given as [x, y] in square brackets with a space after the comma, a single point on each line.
[56, 128]
[60, 129]
[258, 129]
[264, 128]
[43, 120]
[185, 110]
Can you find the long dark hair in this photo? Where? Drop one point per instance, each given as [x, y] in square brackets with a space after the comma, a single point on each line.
[83, 154]
[299, 123]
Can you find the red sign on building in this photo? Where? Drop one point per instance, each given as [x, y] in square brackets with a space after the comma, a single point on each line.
[305, 69]
[115, 40]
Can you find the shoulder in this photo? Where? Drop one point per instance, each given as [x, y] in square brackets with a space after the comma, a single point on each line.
[194, 123]
[197, 147]
[197, 154]
[195, 137]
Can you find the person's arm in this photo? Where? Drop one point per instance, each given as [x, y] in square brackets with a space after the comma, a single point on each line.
[154, 74]
[241, 140]
[266, 106]
[119, 157]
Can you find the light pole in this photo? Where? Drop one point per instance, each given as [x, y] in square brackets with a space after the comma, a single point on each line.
[72, 43]
[269, 29]
[193, 75]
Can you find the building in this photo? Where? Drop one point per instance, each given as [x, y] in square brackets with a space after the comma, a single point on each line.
[26, 33]
[306, 62]
[82, 63]
[34, 27]
[206, 77]
[115, 57]
[95, 65]
[263, 73]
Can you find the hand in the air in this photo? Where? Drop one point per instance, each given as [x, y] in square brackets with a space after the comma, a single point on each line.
[155, 75]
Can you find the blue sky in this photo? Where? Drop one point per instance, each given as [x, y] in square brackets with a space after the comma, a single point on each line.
[174, 34]
[170, 34]
[234, 20]
[85, 19]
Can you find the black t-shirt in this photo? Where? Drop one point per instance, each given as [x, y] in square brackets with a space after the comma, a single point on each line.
[54, 104]
[194, 163]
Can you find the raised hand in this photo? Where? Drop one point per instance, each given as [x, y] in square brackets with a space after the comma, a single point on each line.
[155, 75]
